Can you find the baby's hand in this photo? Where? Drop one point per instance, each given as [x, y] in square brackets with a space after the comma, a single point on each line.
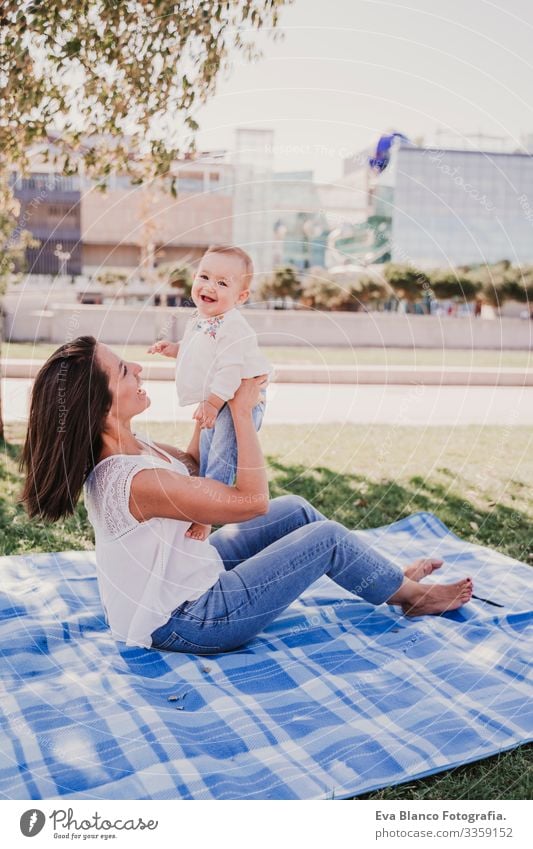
[164, 347]
[205, 414]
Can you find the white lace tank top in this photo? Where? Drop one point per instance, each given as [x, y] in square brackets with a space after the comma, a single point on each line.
[145, 569]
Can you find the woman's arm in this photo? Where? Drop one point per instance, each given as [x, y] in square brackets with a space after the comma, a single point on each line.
[167, 494]
[194, 445]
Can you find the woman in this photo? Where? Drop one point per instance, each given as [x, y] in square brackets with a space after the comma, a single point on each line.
[159, 588]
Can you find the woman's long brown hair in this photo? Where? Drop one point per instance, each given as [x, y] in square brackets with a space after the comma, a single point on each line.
[69, 404]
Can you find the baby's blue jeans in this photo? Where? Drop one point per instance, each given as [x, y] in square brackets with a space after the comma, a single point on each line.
[269, 562]
[218, 446]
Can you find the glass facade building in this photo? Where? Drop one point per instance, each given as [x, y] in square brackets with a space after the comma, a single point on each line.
[458, 207]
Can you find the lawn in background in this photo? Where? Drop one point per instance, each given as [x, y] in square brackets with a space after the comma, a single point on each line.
[308, 355]
[476, 479]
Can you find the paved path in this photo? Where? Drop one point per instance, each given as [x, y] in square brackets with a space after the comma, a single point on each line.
[319, 404]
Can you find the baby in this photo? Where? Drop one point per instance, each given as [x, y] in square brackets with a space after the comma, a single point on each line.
[218, 349]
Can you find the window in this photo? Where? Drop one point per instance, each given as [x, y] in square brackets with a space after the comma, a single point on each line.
[190, 181]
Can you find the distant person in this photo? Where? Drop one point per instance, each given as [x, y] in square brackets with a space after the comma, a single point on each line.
[478, 307]
[218, 350]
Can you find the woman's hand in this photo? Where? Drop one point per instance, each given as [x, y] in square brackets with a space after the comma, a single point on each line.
[205, 414]
[168, 494]
[248, 394]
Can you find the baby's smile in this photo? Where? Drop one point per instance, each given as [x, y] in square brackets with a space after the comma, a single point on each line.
[219, 284]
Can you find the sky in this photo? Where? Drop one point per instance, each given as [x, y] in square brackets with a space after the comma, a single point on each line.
[348, 70]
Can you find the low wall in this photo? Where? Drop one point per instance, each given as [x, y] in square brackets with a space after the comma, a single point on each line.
[134, 325]
[378, 375]
[388, 330]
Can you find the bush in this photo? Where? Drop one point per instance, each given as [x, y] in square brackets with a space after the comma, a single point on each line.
[178, 277]
[368, 288]
[493, 283]
[282, 284]
[501, 282]
[519, 287]
[454, 285]
[110, 276]
[407, 281]
[320, 292]
[323, 293]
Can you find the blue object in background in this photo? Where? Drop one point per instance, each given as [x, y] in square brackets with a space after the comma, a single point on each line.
[381, 159]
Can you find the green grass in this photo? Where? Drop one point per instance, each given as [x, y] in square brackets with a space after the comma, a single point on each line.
[476, 479]
[307, 355]
[18, 534]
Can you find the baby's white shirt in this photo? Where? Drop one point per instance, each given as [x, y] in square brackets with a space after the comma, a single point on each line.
[215, 354]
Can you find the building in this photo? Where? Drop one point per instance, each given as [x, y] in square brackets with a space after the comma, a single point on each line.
[223, 197]
[443, 207]
[461, 207]
[137, 228]
[299, 223]
[430, 206]
[364, 238]
[50, 211]
[253, 218]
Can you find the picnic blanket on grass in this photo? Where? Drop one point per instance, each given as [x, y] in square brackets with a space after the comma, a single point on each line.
[335, 698]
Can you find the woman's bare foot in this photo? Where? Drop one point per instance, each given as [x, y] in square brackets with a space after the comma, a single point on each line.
[419, 600]
[422, 567]
[198, 531]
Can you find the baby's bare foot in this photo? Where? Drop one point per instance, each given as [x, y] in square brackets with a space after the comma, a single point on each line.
[422, 567]
[439, 598]
[198, 531]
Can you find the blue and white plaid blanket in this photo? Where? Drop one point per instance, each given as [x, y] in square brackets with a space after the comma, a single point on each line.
[334, 699]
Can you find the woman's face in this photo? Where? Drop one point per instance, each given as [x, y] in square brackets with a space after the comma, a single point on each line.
[129, 399]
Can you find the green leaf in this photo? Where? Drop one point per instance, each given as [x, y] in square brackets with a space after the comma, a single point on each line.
[136, 61]
[72, 47]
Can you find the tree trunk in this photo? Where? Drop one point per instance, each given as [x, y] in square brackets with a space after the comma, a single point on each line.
[2, 314]
[1, 417]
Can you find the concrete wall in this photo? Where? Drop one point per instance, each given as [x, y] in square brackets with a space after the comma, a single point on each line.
[122, 324]
[385, 330]
[27, 310]
[113, 325]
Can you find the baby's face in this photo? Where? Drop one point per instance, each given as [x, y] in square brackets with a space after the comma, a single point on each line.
[218, 285]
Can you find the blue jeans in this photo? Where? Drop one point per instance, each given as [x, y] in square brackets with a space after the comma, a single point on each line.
[269, 562]
[218, 446]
